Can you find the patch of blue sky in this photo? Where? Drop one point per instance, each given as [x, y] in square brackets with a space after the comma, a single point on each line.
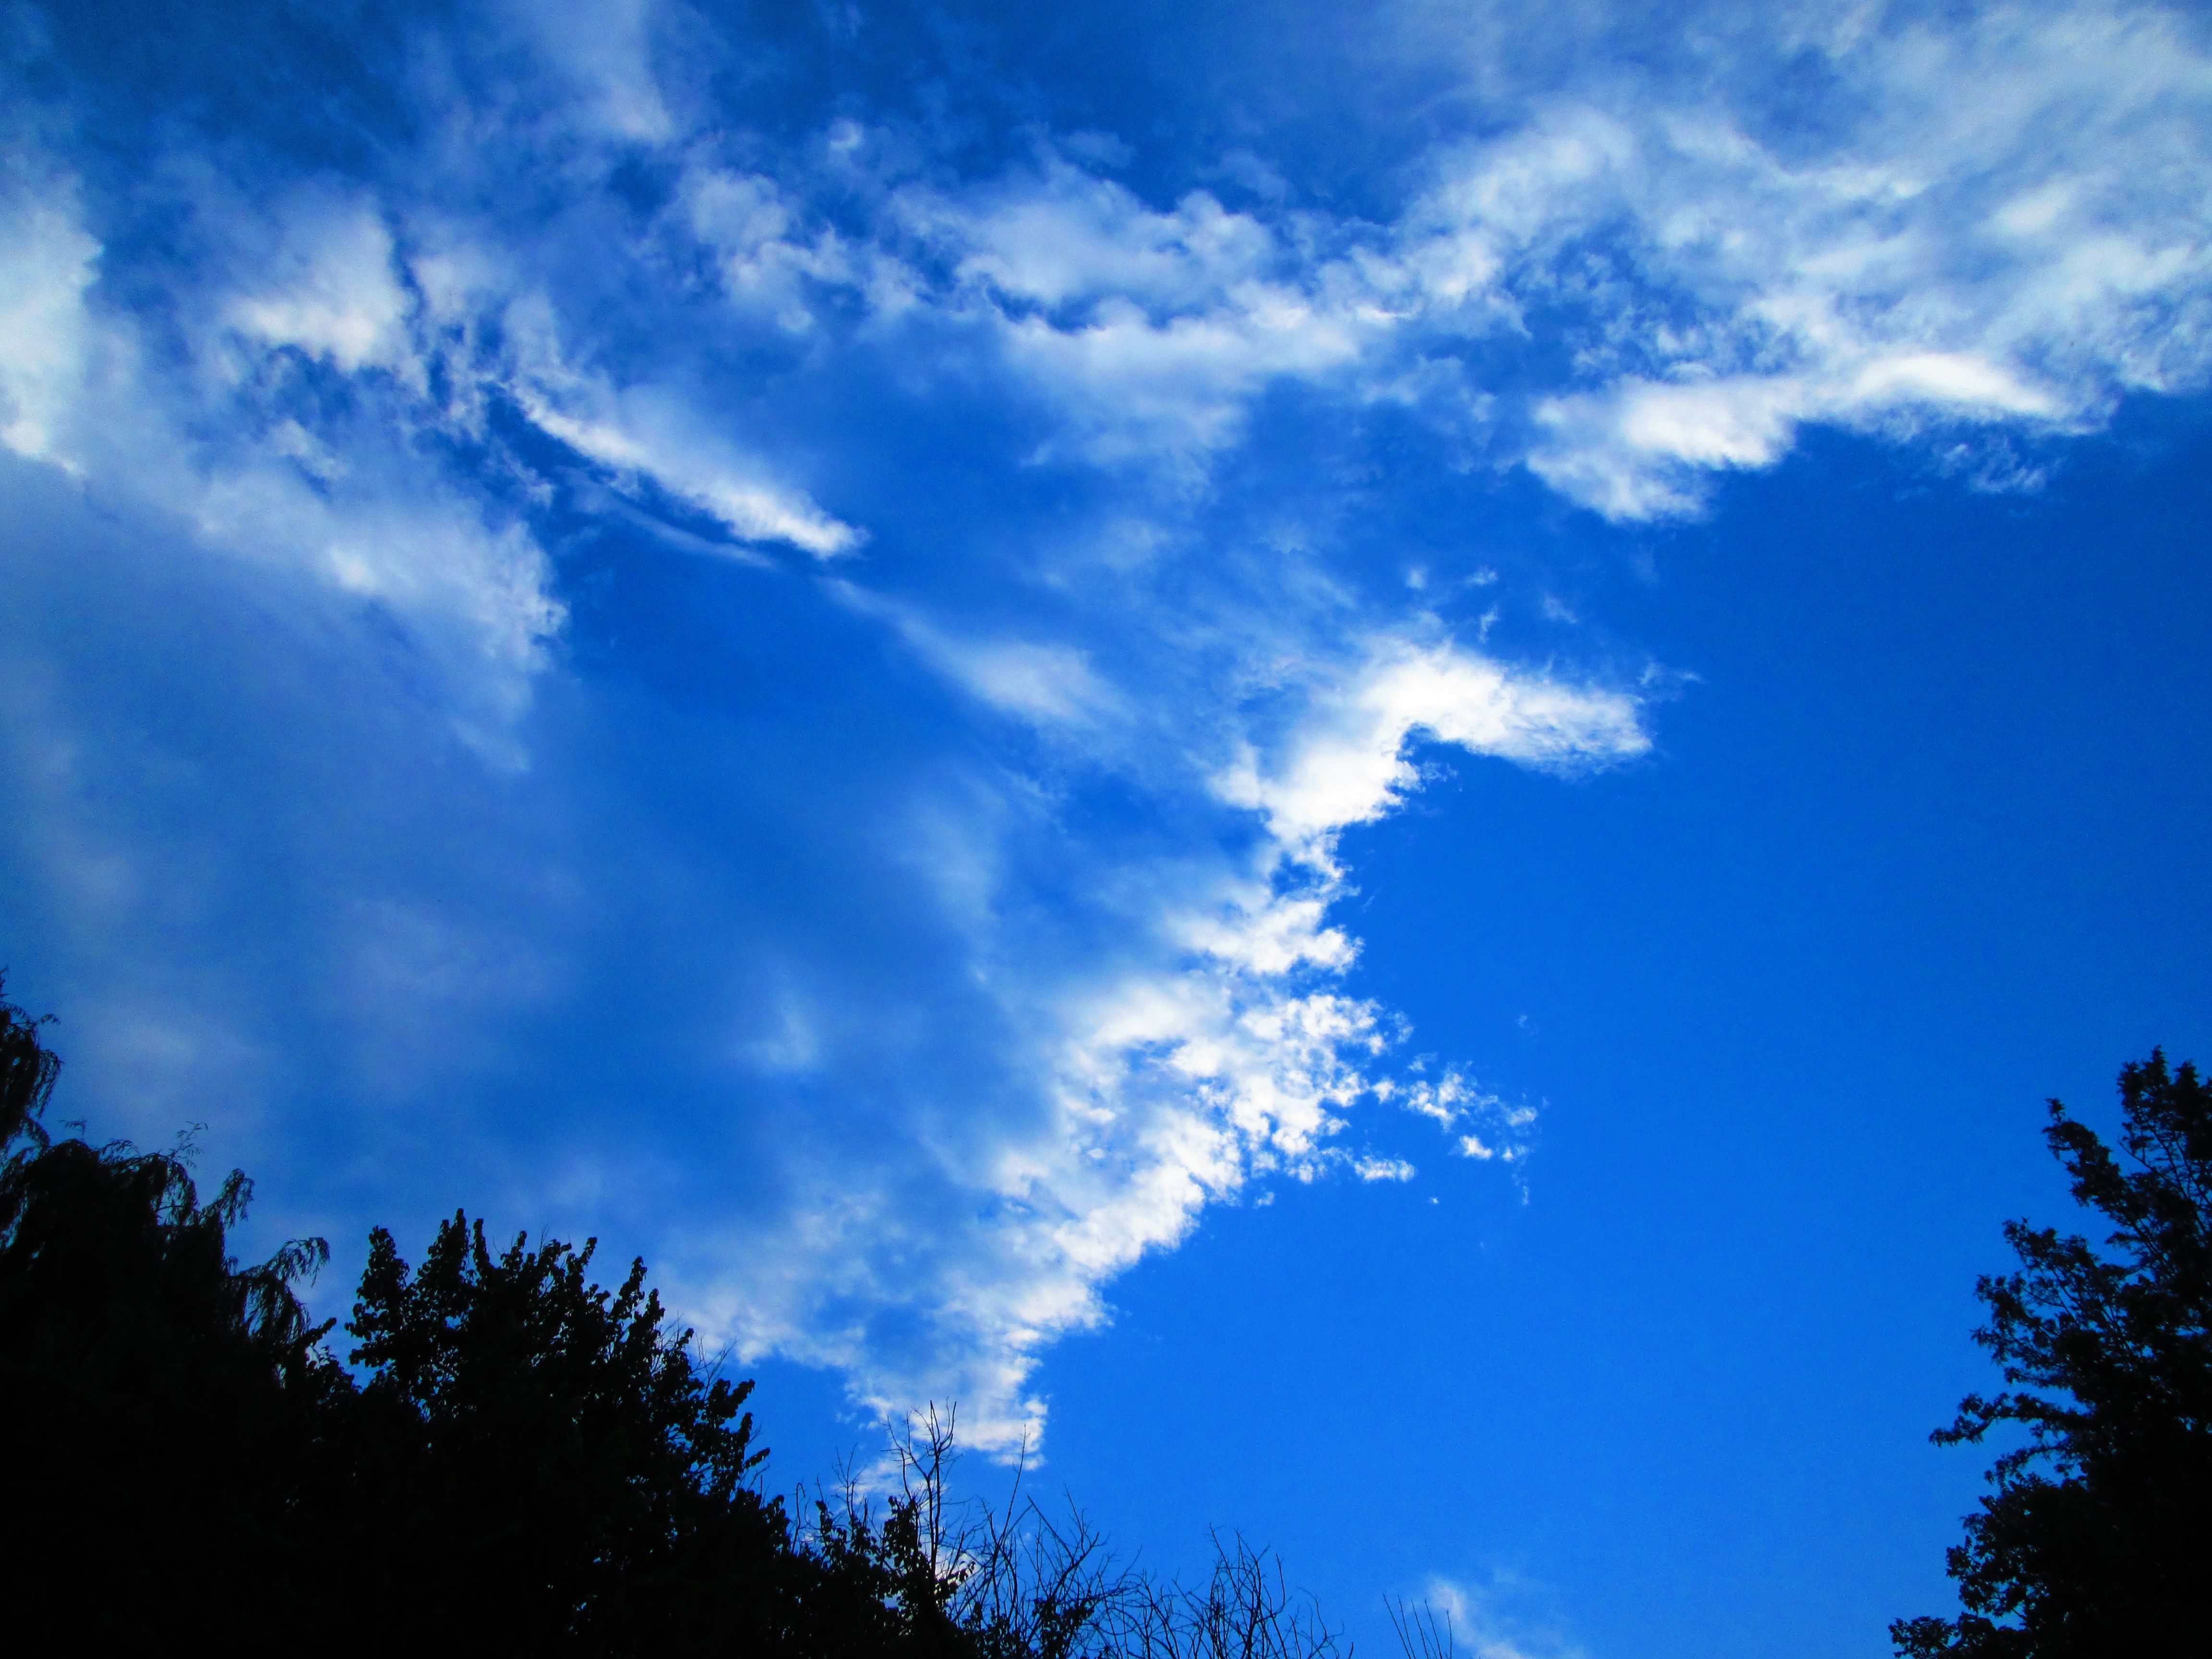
[909, 656]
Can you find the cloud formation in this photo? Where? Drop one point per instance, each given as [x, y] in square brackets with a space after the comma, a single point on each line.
[960, 840]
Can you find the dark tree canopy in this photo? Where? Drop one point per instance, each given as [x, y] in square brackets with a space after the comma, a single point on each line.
[518, 1461]
[2097, 1539]
[539, 1462]
[523, 1461]
[28, 1070]
[153, 1390]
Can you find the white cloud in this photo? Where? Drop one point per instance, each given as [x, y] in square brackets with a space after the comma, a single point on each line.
[2003, 219]
[1229, 1057]
[2006, 219]
[1384, 1169]
[1149, 331]
[329, 290]
[770, 258]
[1346, 764]
[380, 526]
[1168, 1092]
[645, 434]
[360, 503]
[46, 263]
[1044, 683]
[1488, 1618]
[649, 432]
[1999, 219]
[1066, 236]
[1035, 1045]
[604, 50]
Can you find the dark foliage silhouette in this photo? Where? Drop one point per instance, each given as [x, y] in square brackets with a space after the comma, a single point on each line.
[537, 1462]
[2098, 1538]
[528, 1462]
[154, 1392]
[1014, 1580]
[519, 1461]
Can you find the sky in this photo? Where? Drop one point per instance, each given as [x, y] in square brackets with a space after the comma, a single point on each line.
[1362, 763]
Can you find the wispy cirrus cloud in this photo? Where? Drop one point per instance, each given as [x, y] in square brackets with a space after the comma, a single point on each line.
[1997, 221]
[1484, 1616]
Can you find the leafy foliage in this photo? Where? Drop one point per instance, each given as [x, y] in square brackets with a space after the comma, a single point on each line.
[2098, 1536]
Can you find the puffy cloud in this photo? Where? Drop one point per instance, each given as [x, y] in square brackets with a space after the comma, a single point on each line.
[1065, 236]
[1346, 764]
[1210, 1045]
[1994, 220]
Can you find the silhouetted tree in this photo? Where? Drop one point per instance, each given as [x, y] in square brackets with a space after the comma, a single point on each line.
[525, 1462]
[2098, 1538]
[971, 1578]
[537, 1462]
[521, 1460]
[155, 1395]
[28, 1070]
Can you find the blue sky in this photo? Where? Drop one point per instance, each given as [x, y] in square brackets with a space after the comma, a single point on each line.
[1364, 765]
